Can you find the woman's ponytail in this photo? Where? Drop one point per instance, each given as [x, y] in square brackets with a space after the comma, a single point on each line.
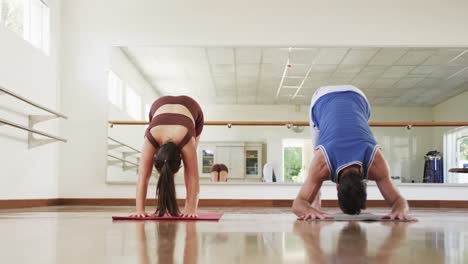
[167, 163]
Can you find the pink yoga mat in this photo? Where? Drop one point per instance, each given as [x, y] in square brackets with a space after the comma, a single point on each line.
[201, 217]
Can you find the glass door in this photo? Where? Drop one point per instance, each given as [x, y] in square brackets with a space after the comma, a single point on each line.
[207, 160]
[251, 162]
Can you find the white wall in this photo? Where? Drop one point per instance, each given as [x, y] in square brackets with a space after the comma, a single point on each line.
[29, 173]
[91, 27]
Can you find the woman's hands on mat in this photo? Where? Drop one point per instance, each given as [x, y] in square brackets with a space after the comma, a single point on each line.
[141, 214]
[189, 211]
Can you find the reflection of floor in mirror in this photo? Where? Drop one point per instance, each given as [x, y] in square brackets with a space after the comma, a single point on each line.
[76, 234]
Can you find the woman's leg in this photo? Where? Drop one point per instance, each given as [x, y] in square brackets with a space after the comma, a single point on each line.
[214, 176]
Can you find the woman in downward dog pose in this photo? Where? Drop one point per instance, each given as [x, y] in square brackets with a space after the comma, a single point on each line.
[171, 138]
[219, 173]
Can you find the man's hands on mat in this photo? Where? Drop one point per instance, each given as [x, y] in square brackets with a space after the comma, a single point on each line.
[312, 213]
[399, 215]
[140, 215]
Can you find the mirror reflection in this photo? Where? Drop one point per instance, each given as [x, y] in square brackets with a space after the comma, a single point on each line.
[276, 84]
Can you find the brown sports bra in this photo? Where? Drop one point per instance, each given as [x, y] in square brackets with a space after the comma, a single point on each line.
[193, 130]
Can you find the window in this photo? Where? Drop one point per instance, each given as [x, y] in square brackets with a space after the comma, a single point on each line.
[133, 103]
[12, 15]
[114, 92]
[36, 24]
[29, 19]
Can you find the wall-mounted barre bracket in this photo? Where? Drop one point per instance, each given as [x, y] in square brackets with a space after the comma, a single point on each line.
[126, 167]
[126, 164]
[113, 146]
[113, 162]
[32, 121]
[127, 154]
[33, 142]
[120, 144]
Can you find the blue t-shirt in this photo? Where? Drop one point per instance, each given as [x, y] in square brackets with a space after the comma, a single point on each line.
[345, 136]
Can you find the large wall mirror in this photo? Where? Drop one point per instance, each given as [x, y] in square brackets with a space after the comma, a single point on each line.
[276, 84]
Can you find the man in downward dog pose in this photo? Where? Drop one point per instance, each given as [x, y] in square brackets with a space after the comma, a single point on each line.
[346, 153]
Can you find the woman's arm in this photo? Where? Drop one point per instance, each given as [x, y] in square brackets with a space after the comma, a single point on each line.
[145, 170]
[192, 186]
[191, 243]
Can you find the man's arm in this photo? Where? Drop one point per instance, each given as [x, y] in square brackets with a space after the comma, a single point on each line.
[380, 173]
[392, 242]
[318, 171]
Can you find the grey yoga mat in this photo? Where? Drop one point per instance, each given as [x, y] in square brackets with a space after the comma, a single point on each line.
[365, 217]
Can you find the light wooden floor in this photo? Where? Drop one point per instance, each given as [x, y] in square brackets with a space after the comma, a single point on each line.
[252, 235]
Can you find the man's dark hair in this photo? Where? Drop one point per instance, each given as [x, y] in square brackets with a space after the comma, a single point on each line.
[352, 193]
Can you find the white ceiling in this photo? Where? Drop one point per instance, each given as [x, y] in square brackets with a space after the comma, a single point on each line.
[249, 75]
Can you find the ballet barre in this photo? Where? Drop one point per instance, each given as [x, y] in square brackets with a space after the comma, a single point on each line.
[33, 120]
[302, 123]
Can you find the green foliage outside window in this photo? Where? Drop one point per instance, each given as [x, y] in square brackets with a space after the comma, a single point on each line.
[463, 148]
[292, 163]
[12, 15]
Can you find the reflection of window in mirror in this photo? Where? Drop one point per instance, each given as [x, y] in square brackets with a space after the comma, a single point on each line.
[114, 92]
[456, 154]
[133, 103]
[293, 160]
[207, 160]
[462, 150]
[251, 160]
